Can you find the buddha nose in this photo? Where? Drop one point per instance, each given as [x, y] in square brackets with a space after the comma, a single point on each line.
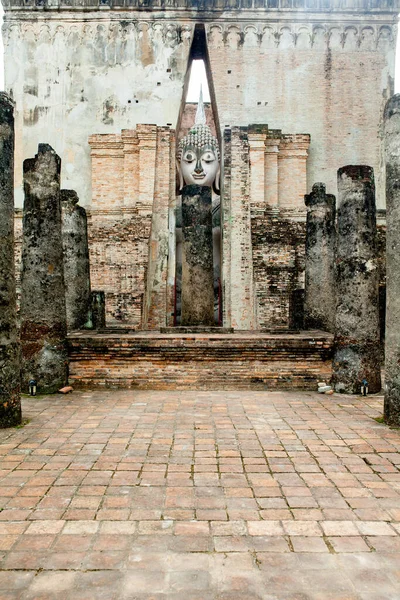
[199, 168]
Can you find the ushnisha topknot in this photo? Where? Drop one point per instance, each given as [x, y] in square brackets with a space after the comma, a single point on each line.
[199, 134]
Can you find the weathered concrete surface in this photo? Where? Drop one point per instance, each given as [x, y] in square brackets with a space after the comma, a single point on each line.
[357, 347]
[76, 259]
[197, 257]
[43, 314]
[392, 338]
[10, 402]
[320, 294]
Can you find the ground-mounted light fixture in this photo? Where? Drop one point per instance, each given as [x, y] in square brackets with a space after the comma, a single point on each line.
[32, 387]
[364, 387]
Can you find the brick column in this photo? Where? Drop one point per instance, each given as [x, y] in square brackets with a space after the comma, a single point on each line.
[107, 154]
[197, 257]
[155, 302]
[271, 171]
[237, 255]
[43, 314]
[76, 260]
[10, 402]
[147, 136]
[131, 166]
[320, 294]
[392, 337]
[257, 167]
[357, 351]
[292, 170]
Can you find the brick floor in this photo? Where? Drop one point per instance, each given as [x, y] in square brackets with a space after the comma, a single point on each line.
[199, 496]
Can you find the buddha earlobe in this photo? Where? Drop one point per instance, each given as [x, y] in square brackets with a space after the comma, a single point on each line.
[217, 182]
[179, 178]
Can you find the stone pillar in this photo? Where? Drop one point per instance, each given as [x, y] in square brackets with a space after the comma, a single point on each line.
[76, 260]
[320, 296]
[197, 257]
[97, 310]
[10, 402]
[357, 349]
[392, 337]
[43, 315]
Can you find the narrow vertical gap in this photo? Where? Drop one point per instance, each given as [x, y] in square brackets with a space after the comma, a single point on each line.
[199, 71]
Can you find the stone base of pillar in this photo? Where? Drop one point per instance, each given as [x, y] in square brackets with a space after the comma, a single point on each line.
[353, 363]
[10, 402]
[43, 315]
[357, 336]
[392, 337]
[197, 257]
[45, 359]
[10, 357]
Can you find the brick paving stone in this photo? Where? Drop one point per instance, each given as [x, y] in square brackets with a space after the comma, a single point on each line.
[200, 495]
[308, 544]
[333, 528]
[349, 544]
[303, 528]
[265, 528]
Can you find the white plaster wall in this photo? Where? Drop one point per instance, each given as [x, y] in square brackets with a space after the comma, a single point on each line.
[71, 78]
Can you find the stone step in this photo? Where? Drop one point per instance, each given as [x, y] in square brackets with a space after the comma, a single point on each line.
[152, 360]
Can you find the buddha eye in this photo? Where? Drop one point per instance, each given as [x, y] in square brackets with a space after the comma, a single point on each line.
[208, 157]
[189, 157]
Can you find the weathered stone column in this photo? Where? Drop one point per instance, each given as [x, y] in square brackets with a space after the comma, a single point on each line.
[97, 310]
[357, 351]
[43, 315]
[76, 260]
[197, 257]
[10, 401]
[392, 337]
[320, 296]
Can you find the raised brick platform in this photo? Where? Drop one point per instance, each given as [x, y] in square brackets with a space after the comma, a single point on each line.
[244, 360]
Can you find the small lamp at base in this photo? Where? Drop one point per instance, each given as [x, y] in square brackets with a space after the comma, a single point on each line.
[32, 387]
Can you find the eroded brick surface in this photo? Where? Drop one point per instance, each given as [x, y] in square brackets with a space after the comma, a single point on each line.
[171, 494]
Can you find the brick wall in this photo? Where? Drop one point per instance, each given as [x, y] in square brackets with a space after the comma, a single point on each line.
[133, 180]
[278, 242]
[263, 244]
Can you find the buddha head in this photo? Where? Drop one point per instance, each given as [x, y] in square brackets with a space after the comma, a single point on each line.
[198, 154]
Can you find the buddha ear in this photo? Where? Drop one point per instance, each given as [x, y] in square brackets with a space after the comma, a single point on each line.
[217, 182]
[179, 178]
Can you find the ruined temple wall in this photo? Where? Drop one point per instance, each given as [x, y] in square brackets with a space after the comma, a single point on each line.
[73, 75]
[320, 67]
[133, 181]
[330, 78]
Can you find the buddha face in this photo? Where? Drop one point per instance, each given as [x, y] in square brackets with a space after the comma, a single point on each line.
[199, 166]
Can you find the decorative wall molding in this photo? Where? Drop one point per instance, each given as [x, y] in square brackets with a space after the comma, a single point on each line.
[237, 35]
[168, 34]
[201, 6]
[301, 36]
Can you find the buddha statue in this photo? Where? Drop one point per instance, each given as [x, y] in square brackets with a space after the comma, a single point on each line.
[198, 154]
